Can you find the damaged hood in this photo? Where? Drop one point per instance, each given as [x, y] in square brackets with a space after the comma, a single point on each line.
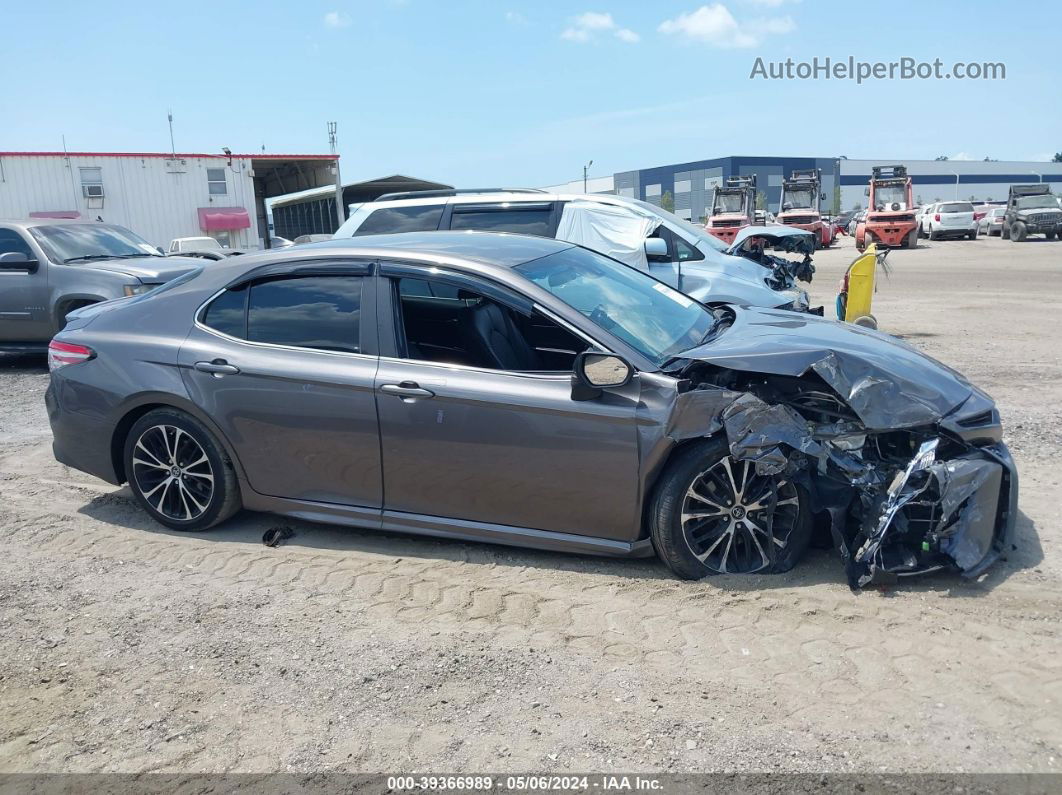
[886, 382]
[786, 238]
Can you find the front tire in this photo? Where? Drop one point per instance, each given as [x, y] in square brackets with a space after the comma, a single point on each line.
[708, 516]
[179, 472]
[1017, 232]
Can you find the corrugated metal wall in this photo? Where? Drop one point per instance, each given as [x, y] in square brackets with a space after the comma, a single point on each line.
[156, 197]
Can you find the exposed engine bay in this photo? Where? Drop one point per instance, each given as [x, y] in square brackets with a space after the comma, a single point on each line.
[897, 486]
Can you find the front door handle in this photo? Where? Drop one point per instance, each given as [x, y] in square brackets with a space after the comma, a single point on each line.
[407, 389]
[217, 367]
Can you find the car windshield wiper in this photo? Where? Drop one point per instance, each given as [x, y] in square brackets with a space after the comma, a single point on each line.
[86, 257]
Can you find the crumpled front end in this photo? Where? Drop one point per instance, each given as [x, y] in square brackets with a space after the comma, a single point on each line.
[906, 475]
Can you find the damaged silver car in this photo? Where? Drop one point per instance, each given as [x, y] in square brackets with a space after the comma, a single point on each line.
[525, 391]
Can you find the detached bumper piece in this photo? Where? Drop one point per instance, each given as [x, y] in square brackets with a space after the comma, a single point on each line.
[960, 512]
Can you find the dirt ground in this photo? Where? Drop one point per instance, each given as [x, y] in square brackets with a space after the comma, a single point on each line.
[126, 647]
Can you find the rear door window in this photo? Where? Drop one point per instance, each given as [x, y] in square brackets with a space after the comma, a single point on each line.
[392, 220]
[320, 312]
[525, 219]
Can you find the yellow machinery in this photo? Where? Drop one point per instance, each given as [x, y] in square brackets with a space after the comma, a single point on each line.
[857, 287]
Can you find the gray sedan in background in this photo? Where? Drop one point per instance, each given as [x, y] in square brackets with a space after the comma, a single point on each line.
[525, 391]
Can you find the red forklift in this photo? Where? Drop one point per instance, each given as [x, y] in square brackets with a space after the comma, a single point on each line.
[733, 208]
[890, 219]
[800, 205]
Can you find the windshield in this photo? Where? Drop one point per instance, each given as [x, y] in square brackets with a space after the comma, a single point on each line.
[648, 315]
[729, 202]
[698, 233]
[77, 242]
[1037, 202]
[887, 195]
[799, 199]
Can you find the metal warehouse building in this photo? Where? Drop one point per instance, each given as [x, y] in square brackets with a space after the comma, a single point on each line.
[160, 196]
[690, 185]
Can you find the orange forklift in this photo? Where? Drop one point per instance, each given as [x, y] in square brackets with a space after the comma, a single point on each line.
[801, 195]
[890, 218]
[733, 208]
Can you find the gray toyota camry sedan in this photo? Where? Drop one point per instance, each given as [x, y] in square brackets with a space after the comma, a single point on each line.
[526, 391]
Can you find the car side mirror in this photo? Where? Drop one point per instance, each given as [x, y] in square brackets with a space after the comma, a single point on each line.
[656, 249]
[17, 261]
[594, 371]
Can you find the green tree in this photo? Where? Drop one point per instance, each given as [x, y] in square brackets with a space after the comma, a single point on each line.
[1057, 158]
[667, 202]
[941, 157]
[835, 206]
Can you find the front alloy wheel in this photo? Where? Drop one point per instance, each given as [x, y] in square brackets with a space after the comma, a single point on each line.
[712, 514]
[724, 517]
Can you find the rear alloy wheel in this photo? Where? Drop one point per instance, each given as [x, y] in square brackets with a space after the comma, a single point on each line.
[710, 516]
[178, 472]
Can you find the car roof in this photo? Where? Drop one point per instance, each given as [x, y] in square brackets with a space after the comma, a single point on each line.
[500, 249]
[516, 197]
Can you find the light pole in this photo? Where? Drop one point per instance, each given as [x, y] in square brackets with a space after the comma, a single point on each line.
[956, 173]
[586, 169]
[1038, 176]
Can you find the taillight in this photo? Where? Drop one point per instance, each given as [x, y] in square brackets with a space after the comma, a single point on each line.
[60, 354]
[936, 217]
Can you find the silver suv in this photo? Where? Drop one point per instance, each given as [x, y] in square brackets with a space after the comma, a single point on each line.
[640, 234]
[48, 269]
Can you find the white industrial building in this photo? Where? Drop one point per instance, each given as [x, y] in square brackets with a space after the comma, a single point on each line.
[160, 196]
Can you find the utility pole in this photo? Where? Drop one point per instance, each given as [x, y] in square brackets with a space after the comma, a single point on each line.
[586, 169]
[341, 216]
[173, 148]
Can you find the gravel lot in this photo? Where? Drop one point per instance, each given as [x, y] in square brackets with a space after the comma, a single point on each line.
[126, 647]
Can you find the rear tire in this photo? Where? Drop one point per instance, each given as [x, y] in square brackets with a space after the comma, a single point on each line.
[178, 471]
[934, 235]
[972, 235]
[696, 532]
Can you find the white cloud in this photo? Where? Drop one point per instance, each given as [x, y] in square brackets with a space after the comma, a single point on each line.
[715, 25]
[592, 20]
[575, 34]
[963, 156]
[586, 25]
[336, 19]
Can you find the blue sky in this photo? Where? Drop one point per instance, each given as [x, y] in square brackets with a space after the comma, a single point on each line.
[523, 93]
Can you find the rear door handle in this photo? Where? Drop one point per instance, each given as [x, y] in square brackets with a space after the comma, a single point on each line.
[407, 389]
[217, 367]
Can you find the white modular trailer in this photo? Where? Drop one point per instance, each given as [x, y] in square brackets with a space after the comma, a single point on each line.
[160, 196]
